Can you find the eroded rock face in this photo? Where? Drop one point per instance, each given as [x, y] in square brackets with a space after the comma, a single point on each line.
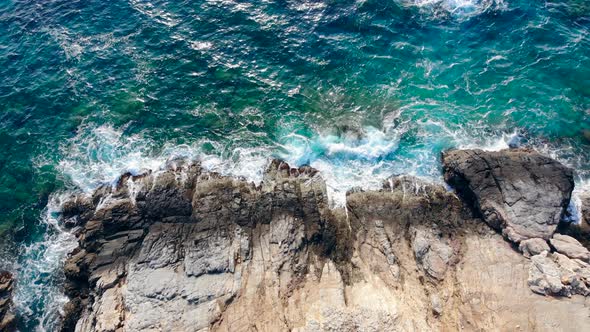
[433, 251]
[7, 318]
[183, 243]
[520, 192]
[187, 250]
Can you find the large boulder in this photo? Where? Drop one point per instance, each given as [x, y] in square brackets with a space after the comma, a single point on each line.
[520, 192]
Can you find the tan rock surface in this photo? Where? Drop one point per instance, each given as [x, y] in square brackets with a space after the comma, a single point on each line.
[275, 258]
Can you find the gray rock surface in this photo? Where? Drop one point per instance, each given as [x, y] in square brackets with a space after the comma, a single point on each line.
[545, 276]
[532, 247]
[433, 251]
[556, 274]
[570, 247]
[520, 192]
[187, 250]
[7, 318]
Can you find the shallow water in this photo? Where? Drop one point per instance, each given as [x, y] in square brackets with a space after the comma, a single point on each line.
[358, 89]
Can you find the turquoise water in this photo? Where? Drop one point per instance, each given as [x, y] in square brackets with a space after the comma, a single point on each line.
[358, 89]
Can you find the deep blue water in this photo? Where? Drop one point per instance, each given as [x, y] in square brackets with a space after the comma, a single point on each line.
[359, 89]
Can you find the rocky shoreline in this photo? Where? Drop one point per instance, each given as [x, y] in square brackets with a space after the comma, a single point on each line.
[7, 318]
[187, 250]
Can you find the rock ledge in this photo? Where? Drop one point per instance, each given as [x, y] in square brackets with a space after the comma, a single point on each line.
[188, 250]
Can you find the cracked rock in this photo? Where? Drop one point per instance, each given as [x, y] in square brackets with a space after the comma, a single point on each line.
[520, 192]
[570, 247]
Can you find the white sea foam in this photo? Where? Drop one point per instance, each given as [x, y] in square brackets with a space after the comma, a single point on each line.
[40, 274]
[578, 162]
[99, 155]
[362, 157]
[248, 163]
[575, 210]
[355, 158]
[501, 142]
[201, 45]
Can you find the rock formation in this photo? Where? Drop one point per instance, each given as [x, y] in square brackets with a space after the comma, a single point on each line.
[520, 192]
[570, 247]
[7, 319]
[183, 249]
[532, 247]
[585, 213]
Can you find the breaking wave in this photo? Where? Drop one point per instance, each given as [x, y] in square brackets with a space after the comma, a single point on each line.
[347, 157]
[40, 273]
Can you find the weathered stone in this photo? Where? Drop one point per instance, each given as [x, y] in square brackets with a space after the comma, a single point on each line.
[77, 210]
[532, 247]
[437, 307]
[574, 273]
[557, 274]
[570, 247]
[520, 192]
[585, 213]
[432, 252]
[7, 318]
[545, 277]
[168, 197]
[275, 257]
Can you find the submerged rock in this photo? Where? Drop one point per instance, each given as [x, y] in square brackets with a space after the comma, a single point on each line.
[520, 192]
[187, 250]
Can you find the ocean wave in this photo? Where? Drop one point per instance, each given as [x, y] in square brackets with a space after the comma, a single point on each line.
[350, 157]
[100, 154]
[347, 157]
[40, 272]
